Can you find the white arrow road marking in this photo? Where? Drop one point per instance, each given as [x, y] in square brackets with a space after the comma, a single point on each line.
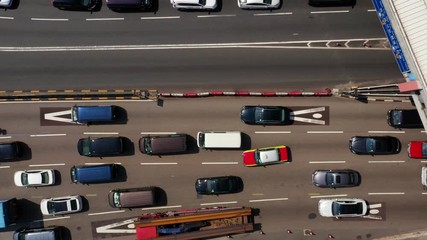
[310, 110]
[378, 205]
[308, 120]
[107, 228]
[54, 116]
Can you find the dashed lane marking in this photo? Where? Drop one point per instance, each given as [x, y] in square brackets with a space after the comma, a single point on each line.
[7, 18]
[219, 163]
[100, 133]
[273, 14]
[100, 163]
[218, 203]
[104, 213]
[4, 167]
[6, 137]
[386, 132]
[164, 207]
[165, 163]
[47, 165]
[332, 132]
[147, 133]
[52, 219]
[50, 19]
[262, 132]
[329, 196]
[215, 16]
[268, 200]
[49, 135]
[386, 161]
[105, 19]
[387, 193]
[159, 18]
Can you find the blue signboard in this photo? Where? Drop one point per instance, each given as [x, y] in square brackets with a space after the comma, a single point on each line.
[388, 29]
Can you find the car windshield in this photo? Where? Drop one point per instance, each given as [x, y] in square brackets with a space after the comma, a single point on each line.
[24, 178]
[73, 204]
[55, 207]
[267, 156]
[147, 145]
[86, 147]
[346, 208]
[218, 185]
[85, 2]
[45, 177]
[116, 198]
[370, 145]
[424, 149]
[397, 117]
[332, 179]
[269, 115]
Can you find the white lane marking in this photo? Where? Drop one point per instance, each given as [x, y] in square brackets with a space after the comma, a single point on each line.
[50, 19]
[269, 200]
[325, 132]
[47, 165]
[273, 14]
[158, 133]
[423, 161]
[51, 219]
[386, 161]
[212, 16]
[164, 207]
[6, 137]
[49, 135]
[156, 18]
[100, 163]
[4, 167]
[326, 162]
[378, 205]
[329, 196]
[387, 193]
[272, 132]
[7, 18]
[386, 131]
[103, 213]
[372, 10]
[100, 133]
[165, 163]
[423, 131]
[219, 163]
[424, 193]
[320, 12]
[218, 203]
[105, 19]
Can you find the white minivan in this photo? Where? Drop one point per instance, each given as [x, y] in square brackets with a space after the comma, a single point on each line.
[219, 139]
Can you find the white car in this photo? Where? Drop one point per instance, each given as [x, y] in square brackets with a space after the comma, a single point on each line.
[61, 205]
[34, 178]
[194, 4]
[424, 177]
[258, 4]
[6, 3]
[344, 207]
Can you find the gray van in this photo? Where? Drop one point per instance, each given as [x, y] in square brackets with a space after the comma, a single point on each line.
[50, 233]
[166, 144]
[93, 114]
[126, 5]
[132, 197]
[94, 173]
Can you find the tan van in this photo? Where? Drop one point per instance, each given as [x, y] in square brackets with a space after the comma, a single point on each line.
[132, 197]
[219, 139]
[164, 144]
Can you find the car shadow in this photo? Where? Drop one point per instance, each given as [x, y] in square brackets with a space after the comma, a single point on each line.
[58, 178]
[26, 154]
[154, 9]
[289, 154]
[121, 174]
[246, 142]
[65, 233]
[85, 203]
[128, 147]
[162, 198]
[342, 3]
[192, 147]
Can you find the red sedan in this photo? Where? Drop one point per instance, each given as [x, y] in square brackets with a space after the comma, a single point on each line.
[417, 149]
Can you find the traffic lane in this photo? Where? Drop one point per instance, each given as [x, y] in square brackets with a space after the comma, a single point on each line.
[201, 70]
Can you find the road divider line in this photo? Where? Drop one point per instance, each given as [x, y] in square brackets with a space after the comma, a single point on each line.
[159, 18]
[165, 163]
[273, 14]
[325, 132]
[158, 133]
[50, 19]
[7, 18]
[378, 205]
[105, 19]
[4, 167]
[47, 165]
[103, 213]
[100, 163]
[423, 161]
[372, 10]
[49, 135]
[164, 207]
[386, 161]
[6, 137]
[321, 12]
[51, 219]
[329, 196]
[386, 132]
[273, 132]
[219, 163]
[100, 133]
[424, 193]
[215, 16]
[269, 200]
[387, 193]
[326, 162]
[217, 203]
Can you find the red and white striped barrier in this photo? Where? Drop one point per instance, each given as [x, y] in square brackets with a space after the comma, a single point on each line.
[326, 93]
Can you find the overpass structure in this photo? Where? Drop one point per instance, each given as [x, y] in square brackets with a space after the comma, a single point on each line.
[405, 24]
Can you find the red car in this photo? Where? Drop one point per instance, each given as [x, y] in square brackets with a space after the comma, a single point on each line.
[265, 156]
[417, 149]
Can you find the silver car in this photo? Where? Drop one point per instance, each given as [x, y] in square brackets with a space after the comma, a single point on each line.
[336, 178]
[343, 207]
[194, 4]
[6, 3]
[258, 4]
[61, 205]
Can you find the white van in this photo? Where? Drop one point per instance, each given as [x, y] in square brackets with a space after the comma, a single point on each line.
[424, 177]
[219, 139]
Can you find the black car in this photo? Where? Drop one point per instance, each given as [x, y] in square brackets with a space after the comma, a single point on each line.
[84, 5]
[99, 147]
[49, 233]
[404, 118]
[10, 151]
[374, 145]
[265, 115]
[219, 185]
[336, 178]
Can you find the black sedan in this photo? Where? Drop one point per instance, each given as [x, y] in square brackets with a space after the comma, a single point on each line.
[336, 178]
[99, 147]
[219, 185]
[378, 145]
[265, 115]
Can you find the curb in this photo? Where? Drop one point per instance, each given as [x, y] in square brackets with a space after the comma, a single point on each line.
[370, 99]
[326, 93]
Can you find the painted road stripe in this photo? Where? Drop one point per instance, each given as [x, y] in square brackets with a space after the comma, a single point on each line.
[50, 19]
[6, 137]
[325, 131]
[100, 133]
[424, 193]
[386, 131]
[105, 19]
[386, 161]
[100, 163]
[212, 16]
[378, 205]
[103, 213]
[269, 200]
[7, 18]
[262, 132]
[372, 10]
[218, 203]
[4, 167]
[47, 165]
[165, 207]
[158, 132]
[387, 193]
[341, 11]
[326, 162]
[156, 18]
[165, 163]
[51, 219]
[423, 161]
[49, 135]
[329, 196]
[273, 14]
[219, 163]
